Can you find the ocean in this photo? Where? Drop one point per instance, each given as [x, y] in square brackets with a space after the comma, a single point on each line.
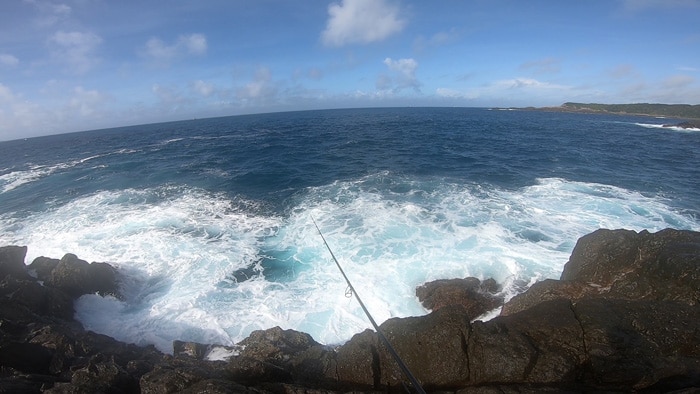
[209, 221]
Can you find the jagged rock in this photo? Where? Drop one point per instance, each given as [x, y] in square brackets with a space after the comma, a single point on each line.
[624, 264]
[190, 349]
[433, 347]
[76, 277]
[37, 298]
[12, 262]
[174, 375]
[276, 345]
[475, 296]
[99, 376]
[659, 266]
[625, 318]
[550, 289]
[43, 266]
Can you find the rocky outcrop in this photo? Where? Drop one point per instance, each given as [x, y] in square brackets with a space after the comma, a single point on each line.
[624, 317]
[475, 296]
[623, 264]
[691, 124]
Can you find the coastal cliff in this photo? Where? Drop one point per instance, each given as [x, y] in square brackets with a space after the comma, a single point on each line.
[623, 317]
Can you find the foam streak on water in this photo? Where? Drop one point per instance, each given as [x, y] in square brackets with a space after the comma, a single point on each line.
[202, 266]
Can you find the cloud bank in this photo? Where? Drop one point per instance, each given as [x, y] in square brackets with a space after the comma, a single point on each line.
[361, 22]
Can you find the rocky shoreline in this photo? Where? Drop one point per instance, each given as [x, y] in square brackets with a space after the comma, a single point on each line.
[625, 316]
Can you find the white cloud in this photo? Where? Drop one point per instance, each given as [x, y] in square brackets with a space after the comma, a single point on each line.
[8, 60]
[75, 50]
[678, 82]
[361, 21]
[526, 83]
[6, 95]
[260, 88]
[405, 75]
[86, 103]
[202, 88]
[191, 44]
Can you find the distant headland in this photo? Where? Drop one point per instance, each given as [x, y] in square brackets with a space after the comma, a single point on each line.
[683, 111]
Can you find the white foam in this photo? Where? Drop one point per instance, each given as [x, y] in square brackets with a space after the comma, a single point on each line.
[177, 248]
[667, 127]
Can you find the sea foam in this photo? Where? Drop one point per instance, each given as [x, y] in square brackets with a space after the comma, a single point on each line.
[207, 267]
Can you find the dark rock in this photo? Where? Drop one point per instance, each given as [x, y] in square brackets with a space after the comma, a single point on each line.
[630, 265]
[541, 345]
[12, 262]
[37, 298]
[358, 361]
[218, 386]
[99, 376]
[76, 277]
[433, 347]
[474, 296]
[251, 371]
[43, 266]
[640, 345]
[691, 124]
[173, 375]
[550, 289]
[26, 357]
[276, 345]
[190, 349]
[103, 279]
[624, 317]
[70, 275]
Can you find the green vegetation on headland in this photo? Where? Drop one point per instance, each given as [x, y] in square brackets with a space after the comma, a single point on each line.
[682, 111]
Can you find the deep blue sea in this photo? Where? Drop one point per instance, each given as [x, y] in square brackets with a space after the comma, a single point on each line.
[210, 220]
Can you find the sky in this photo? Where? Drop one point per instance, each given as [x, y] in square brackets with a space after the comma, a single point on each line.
[71, 65]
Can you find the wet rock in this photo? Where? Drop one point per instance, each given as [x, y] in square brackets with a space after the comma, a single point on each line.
[43, 266]
[475, 296]
[276, 345]
[12, 262]
[190, 349]
[624, 318]
[76, 277]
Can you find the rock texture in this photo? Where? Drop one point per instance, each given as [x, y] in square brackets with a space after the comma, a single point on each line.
[475, 296]
[625, 317]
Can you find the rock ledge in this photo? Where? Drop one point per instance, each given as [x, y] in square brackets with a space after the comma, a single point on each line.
[624, 317]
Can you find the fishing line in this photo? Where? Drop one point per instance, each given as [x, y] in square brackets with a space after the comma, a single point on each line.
[351, 291]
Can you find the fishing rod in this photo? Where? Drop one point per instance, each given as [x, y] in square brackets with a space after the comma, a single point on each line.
[416, 385]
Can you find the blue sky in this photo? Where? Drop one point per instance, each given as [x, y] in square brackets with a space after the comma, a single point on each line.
[83, 64]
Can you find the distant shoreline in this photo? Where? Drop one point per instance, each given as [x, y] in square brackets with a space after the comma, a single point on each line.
[691, 113]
